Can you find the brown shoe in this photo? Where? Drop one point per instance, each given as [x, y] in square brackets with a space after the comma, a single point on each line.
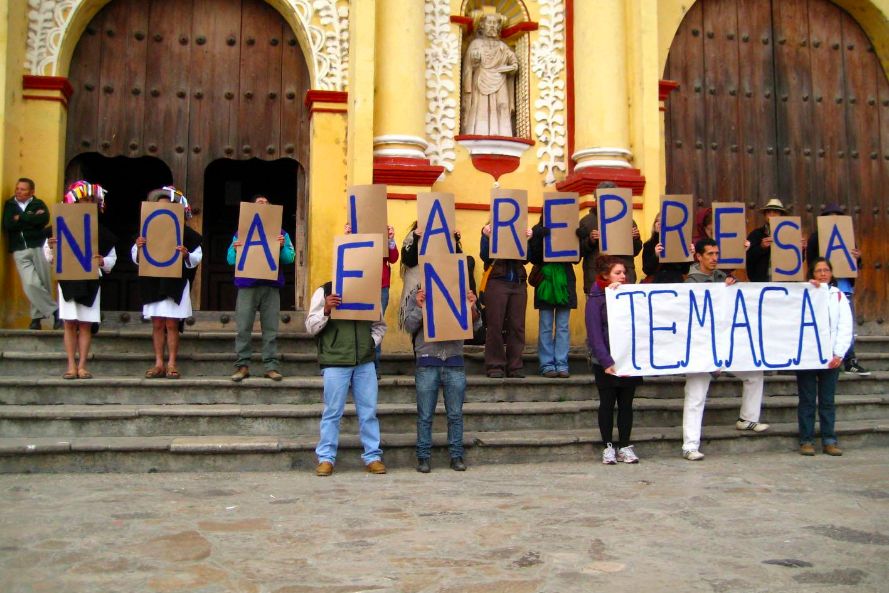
[241, 374]
[273, 375]
[324, 469]
[376, 467]
[832, 450]
[807, 449]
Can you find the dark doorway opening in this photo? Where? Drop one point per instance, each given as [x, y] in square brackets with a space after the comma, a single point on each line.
[128, 181]
[227, 183]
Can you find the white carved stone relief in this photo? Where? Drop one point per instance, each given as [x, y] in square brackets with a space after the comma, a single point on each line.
[325, 22]
[442, 58]
[548, 64]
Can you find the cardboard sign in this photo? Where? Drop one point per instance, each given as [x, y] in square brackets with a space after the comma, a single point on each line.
[561, 215]
[259, 226]
[163, 227]
[357, 276]
[729, 232]
[672, 329]
[836, 240]
[367, 206]
[614, 207]
[437, 221]
[76, 230]
[509, 223]
[446, 313]
[676, 228]
[787, 249]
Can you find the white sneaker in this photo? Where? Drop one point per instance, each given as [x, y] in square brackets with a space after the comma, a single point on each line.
[627, 455]
[693, 455]
[608, 455]
[754, 426]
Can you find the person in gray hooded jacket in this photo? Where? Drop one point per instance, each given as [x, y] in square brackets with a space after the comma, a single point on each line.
[439, 365]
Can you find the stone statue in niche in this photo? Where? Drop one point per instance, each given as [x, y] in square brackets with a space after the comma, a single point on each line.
[489, 71]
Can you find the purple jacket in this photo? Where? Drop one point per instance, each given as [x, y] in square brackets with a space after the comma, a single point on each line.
[597, 327]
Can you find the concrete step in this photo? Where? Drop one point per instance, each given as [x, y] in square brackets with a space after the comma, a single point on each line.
[221, 364]
[872, 344]
[271, 453]
[53, 390]
[285, 419]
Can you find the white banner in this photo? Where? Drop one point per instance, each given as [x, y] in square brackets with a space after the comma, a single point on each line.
[672, 329]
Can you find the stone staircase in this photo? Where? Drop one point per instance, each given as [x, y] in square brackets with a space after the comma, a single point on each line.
[119, 421]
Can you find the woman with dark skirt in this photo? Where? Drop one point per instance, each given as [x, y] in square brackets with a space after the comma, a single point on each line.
[613, 389]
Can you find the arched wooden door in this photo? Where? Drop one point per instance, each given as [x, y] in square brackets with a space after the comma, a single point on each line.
[784, 98]
[190, 82]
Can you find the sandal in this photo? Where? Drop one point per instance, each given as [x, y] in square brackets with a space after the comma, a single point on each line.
[69, 375]
[154, 373]
[172, 373]
[84, 374]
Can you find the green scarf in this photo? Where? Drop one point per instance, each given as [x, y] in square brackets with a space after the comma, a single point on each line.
[553, 289]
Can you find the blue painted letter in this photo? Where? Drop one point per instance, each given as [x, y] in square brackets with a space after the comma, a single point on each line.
[551, 224]
[256, 226]
[674, 228]
[85, 255]
[670, 328]
[605, 220]
[461, 312]
[146, 254]
[719, 235]
[762, 347]
[498, 222]
[430, 230]
[342, 274]
[836, 243]
[788, 246]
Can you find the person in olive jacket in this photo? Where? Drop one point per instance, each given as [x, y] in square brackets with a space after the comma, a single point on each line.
[25, 217]
[346, 352]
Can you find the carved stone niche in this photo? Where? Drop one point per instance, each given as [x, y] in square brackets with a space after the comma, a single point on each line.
[495, 121]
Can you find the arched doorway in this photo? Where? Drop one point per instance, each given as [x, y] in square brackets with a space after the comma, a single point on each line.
[784, 98]
[191, 82]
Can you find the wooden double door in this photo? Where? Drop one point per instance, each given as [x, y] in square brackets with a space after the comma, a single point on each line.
[187, 84]
[787, 99]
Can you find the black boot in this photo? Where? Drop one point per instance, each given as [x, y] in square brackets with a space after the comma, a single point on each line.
[423, 466]
[457, 464]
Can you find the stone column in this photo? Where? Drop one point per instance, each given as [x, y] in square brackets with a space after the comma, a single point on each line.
[602, 122]
[400, 82]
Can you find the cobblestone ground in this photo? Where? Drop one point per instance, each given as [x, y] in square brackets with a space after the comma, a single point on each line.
[765, 522]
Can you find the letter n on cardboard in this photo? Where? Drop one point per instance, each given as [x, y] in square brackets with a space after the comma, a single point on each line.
[367, 212]
[446, 313]
[357, 276]
[78, 242]
[259, 226]
[163, 227]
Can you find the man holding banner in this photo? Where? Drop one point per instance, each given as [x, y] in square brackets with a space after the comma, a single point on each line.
[255, 290]
[697, 384]
[25, 217]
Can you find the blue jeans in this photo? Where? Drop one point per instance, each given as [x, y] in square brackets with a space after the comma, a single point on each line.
[553, 342]
[363, 381]
[384, 303]
[823, 384]
[452, 381]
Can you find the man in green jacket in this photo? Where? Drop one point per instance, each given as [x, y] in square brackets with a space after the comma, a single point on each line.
[24, 219]
[346, 351]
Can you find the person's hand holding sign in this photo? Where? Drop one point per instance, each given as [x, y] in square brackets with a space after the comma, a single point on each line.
[184, 251]
[140, 242]
[486, 230]
[331, 302]
[766, 242]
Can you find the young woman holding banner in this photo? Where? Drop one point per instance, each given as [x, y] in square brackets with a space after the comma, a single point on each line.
[79, 300]
[167, 301]
[613, 389]
[822, 383]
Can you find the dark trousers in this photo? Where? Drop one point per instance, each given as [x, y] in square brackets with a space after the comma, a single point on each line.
[816, 390]
[614, 390]
[505, 310]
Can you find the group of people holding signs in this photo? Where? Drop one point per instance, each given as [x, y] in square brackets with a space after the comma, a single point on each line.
[689, 316]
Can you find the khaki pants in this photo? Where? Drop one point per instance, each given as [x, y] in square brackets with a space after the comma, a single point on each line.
[34, 272]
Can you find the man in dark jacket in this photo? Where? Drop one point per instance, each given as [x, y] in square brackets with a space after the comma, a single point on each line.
[24, 219]
[759, 255]
[346, 354]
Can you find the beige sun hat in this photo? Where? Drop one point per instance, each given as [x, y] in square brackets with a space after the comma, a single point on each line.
[774, 204]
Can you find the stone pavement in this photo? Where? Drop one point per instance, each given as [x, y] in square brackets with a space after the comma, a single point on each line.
[771, 522]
